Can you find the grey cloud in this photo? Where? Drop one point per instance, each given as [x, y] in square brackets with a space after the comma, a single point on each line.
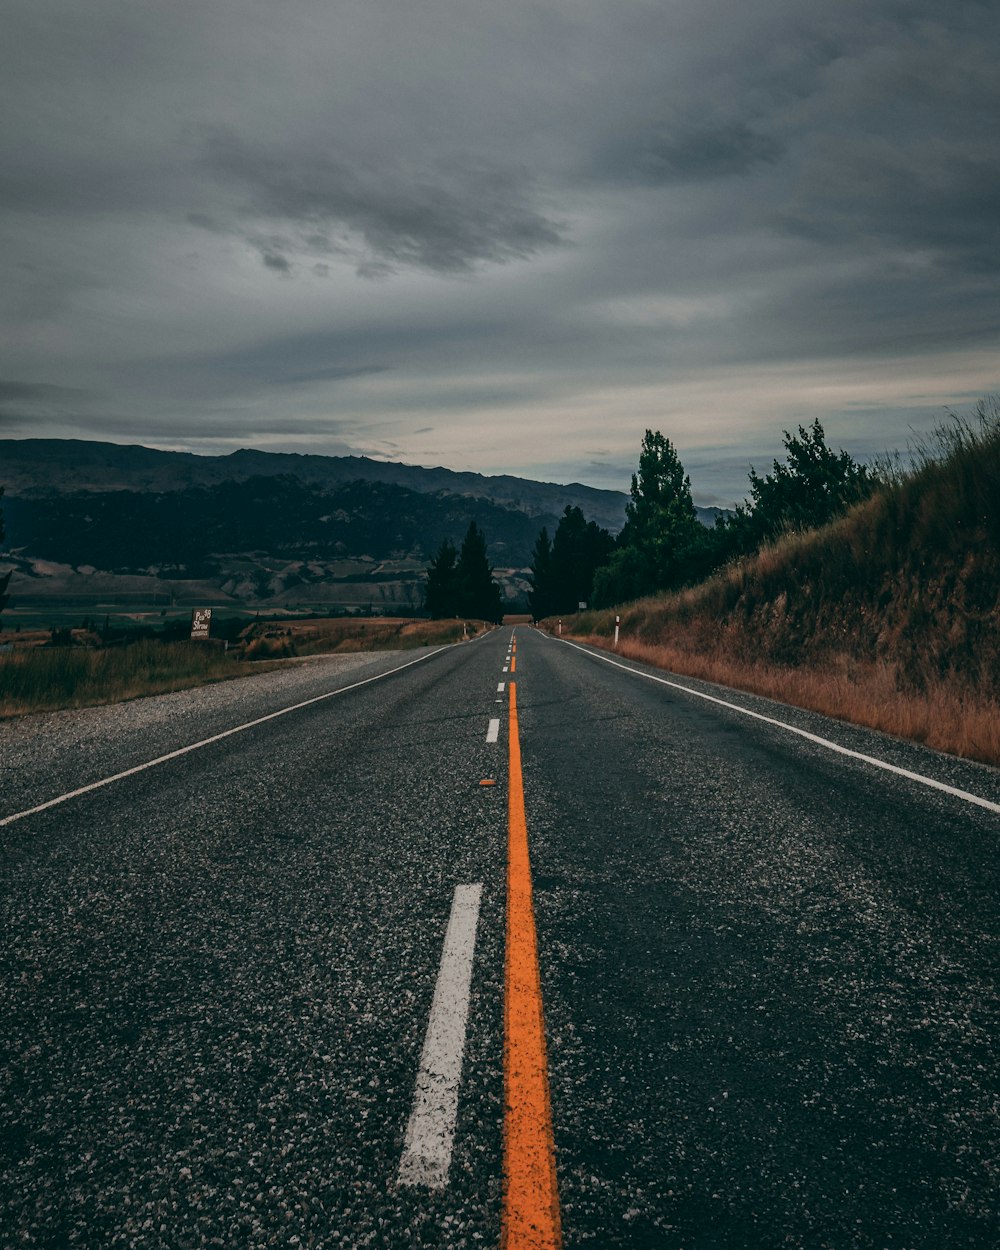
[333, 373]
[29, 402]
[445, 216]
[279, 361]
[691, 151]
[32, 392]
[899, 145]
[238, 426]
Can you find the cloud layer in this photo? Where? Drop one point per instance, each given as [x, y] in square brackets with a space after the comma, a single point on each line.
[506, 238]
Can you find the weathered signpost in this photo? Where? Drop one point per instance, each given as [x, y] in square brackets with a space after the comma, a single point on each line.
[201, 624]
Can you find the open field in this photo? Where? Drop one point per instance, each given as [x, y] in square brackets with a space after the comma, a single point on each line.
[292, 637]
[35, 677]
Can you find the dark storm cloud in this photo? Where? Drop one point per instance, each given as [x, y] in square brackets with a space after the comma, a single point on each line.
[22, 402]
[689, 151]
[438, 216]
[906, 151]
[34, 392]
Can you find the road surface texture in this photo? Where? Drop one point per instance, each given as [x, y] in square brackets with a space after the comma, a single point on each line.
[271, 991]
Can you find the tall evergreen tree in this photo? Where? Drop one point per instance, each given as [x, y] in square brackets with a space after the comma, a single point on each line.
[563, 571]
[662, 544]
[540, 595]
[441, 593]
[478, 593]
[660, 516]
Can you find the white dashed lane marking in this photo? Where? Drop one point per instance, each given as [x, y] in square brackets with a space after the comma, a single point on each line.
[430, 1133]
[494, 730]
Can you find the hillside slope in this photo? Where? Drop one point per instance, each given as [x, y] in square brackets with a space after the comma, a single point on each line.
[889, 616]
[278, 515]
[267, 541]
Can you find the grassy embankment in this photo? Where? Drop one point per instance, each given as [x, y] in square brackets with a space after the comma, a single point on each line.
[888, 617]
[39, 678]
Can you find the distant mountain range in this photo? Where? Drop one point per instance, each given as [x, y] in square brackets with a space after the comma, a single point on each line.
[269, 528]
[43, 466]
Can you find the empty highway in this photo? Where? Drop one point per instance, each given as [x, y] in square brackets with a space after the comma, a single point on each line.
[504, 943]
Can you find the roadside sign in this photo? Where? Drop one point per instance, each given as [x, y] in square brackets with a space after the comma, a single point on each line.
[201, 623]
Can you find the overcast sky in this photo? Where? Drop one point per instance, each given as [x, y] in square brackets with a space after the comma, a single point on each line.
[498, 236]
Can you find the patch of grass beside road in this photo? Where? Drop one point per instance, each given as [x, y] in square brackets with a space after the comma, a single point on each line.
[35, 678]
[43, 679]
[281, 639]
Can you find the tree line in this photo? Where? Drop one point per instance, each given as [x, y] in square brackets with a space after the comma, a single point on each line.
[663, 545]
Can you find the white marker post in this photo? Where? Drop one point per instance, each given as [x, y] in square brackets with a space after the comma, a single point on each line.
[617, 623]
[560, 629]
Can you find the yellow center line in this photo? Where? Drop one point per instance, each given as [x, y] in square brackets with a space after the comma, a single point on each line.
[513, 663]
[530, 1194]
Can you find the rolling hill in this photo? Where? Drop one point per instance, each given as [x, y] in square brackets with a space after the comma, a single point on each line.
[90, 523]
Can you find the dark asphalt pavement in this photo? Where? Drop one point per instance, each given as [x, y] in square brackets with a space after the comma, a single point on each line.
[768, 971]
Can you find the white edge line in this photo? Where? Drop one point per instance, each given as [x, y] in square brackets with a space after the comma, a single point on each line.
[802, 733]
[430, 1133]
[195, 746]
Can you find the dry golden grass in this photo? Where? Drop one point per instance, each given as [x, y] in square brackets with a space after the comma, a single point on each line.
[344, 635]
[40, 679]
[36, 678]
[849, 690]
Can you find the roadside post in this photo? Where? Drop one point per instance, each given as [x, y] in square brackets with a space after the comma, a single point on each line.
[617, 623]
[560, 629]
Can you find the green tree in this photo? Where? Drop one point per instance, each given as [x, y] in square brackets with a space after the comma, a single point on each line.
[663, 543]
[540, 597]
[4, 577]
[814, 485]
[563, 573]
[478, 594]
[625, 577]
[441, 593]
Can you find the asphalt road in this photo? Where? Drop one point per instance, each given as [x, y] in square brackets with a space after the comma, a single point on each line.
[767, 969]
